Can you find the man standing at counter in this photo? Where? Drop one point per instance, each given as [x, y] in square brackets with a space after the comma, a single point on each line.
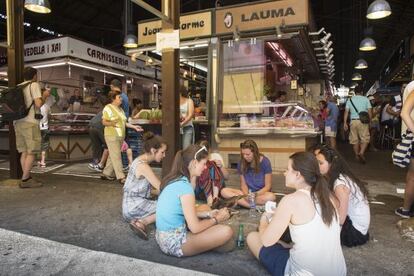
[28, 130]
[75, 101]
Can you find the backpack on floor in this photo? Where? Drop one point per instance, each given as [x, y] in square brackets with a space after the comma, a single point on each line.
[12, 103]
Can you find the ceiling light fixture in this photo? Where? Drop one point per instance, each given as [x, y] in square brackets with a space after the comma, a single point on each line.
[367, 44]
[38, 6]
[356, 77]
[279, 33]
[130, 41]
[361, 64]
[236, 35]
[378, 9]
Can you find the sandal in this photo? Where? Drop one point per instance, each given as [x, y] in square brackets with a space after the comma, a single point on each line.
[42, 165]
[139, 229]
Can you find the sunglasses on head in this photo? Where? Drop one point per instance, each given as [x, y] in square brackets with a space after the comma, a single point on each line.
[246, 144]
[200, 150]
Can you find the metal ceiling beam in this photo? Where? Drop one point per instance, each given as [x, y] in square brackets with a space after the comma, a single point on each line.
[152, 10]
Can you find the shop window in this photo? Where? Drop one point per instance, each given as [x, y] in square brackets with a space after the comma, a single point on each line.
[243, 77]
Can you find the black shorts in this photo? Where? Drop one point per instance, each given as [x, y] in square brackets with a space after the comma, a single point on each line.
[350, 236]
[274, 258]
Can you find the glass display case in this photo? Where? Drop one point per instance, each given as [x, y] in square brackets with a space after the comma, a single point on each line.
[70, 122]
[266, 117]
[69, 136]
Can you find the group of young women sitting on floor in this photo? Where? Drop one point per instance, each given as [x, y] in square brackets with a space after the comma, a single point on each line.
[328, 208]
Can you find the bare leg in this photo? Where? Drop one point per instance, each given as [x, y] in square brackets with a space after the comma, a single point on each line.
[27, 164]
[409, 187]
[356, 149]
[263, 198]
[104, 157]
[373, 134]
[42, 157]
[209, 239]
[22, 161]
[148, 220]
[332, 142]
[129, 155]
[254, 243]
[364, 147]
[230, 192]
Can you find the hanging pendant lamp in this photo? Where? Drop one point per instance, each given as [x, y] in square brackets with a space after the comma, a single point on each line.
[38, 6]
[356, 77]
[361, 64]
[367, 44]
[378, 9]
[130, 41]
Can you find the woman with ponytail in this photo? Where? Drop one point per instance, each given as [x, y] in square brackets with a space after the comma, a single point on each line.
[310, 213]
[354, 213]
[137, 207]
[176, 209]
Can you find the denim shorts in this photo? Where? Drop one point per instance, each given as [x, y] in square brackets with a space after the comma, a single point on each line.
[171, 241]
[274, 258]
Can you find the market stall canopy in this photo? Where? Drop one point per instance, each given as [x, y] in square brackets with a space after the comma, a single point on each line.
[101, 23]
[69, 51]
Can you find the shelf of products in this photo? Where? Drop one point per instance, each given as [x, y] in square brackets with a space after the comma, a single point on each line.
[70, 122]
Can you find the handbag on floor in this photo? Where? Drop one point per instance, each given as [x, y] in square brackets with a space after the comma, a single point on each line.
[401, 156]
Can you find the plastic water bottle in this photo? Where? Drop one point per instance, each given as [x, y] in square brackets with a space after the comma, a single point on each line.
[252, 203]
[240, 237]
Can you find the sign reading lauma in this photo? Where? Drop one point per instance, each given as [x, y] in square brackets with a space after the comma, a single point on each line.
[262, 16]
[191, 25]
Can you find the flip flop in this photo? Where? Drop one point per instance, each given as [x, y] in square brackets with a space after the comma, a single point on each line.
[139, 229]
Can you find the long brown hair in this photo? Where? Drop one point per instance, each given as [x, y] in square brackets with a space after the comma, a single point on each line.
[338, 166]
[255, 164]
[181, 162]
[307, 164]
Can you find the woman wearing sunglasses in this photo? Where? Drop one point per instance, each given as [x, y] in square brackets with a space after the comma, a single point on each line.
[255, 172]
[176, 209]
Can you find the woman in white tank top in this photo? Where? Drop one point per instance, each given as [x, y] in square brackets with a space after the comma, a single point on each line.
[311, 215]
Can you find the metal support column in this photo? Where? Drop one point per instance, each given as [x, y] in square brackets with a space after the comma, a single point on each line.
[15, 65]
[170, 86]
